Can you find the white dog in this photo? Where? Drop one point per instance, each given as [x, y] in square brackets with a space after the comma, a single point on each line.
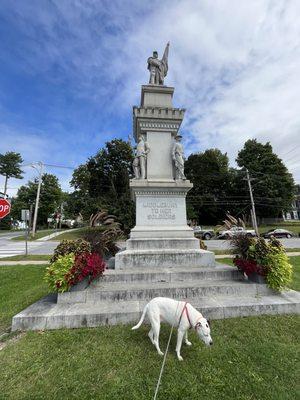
[179, 314]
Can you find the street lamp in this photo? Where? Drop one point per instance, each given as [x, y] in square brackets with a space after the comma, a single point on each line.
[40, 172]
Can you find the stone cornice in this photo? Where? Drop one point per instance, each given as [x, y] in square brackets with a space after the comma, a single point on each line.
[158, 112]
[160, 193]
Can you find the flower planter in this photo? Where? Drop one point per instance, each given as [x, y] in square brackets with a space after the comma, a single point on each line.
[257, 278]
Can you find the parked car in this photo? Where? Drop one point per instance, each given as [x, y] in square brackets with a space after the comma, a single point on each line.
[204, 234]
[236, 230]
[278, 233]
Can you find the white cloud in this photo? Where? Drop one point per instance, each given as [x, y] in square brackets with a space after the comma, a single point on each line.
[234, 64]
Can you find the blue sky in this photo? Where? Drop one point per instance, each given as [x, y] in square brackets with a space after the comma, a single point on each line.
[71, 70]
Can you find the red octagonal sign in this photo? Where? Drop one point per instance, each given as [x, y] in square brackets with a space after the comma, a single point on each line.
[4, 208]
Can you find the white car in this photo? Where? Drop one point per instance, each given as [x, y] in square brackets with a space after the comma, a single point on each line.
[234, 231]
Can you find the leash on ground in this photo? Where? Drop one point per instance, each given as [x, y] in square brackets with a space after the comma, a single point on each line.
[165, 356]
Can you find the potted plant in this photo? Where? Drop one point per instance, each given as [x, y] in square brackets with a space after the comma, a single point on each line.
[262, 261]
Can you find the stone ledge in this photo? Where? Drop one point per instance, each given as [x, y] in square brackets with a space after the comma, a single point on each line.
[46, 314]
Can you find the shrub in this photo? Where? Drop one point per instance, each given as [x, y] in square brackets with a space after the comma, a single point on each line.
[279, 270]
[248, 266]
[69, 270]
[76, 247]
[265, 258]
[56, 273]
[87, 265]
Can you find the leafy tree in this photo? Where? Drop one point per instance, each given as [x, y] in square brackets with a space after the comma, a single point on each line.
[51, 197]
[273, 185]
[209, 172]
[103, 182]
[10, 167]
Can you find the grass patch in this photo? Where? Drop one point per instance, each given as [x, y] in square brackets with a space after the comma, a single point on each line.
[292, 227]
[252, 358]
[30, 257]
[38, 235]
[295, 261]
[225, 260]
[20, 286]
[74, 234]
[70, 235]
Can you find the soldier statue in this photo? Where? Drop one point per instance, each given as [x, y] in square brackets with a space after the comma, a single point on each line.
[158, 68]
[178, 158]
[140, 159]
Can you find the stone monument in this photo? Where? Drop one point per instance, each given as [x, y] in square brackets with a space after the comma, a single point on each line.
[161, 236]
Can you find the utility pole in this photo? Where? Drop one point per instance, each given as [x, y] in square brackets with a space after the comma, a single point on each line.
[253, 214]
[40, 171]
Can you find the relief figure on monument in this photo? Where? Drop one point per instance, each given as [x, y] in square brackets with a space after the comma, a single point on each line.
[140, 160]
[158, 68]
[178, 158]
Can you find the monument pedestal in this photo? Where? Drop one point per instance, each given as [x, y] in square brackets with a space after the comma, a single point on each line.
[161, 237]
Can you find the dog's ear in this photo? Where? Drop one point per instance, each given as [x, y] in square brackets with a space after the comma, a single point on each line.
[198, 325]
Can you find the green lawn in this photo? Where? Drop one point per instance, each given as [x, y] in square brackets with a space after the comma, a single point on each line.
[252, 358]
[30, 257]
[70, 235]
[290, 226]
[296, 278]
[77, 233]
[39, 234]
[20, 286]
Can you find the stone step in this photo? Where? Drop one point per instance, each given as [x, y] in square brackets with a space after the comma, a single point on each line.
[158, 258]
[220, 272]
[116, 292]
[47, 314]
[162, 243]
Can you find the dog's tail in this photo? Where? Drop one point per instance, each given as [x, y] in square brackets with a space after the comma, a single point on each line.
[141, 320]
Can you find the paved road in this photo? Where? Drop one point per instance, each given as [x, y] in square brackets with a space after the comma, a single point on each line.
[12, 248]
[225, 244]
[8, 234]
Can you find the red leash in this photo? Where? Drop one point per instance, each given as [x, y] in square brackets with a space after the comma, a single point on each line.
[187, 314]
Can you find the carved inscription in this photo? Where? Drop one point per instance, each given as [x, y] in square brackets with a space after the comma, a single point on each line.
[159, 209]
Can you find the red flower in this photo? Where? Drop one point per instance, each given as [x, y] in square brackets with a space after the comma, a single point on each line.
[248, 266]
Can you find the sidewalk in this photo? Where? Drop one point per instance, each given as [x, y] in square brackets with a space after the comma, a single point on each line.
[52, 235]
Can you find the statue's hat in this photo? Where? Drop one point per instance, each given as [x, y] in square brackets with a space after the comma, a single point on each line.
[178, 137]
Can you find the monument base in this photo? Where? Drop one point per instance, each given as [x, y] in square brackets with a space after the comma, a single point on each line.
[164, 257]
[161, 237]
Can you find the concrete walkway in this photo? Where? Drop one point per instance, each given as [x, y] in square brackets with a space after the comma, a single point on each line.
[52, 235]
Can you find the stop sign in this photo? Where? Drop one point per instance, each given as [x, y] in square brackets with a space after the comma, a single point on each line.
[4, 208]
